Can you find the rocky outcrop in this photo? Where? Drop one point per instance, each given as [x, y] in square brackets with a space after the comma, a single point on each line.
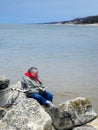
[28, 114]
[72, 113]
[2, 112]
[7, 96]
[5, 92]
[86, 127]
[4, 82]
[94, 124]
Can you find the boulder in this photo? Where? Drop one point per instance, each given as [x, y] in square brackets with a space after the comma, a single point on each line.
[2, 112]
[4, 82]
[94, 123]
[27, 114]
[7, 96]
[72, 113]
[4, 91]
[86, 127]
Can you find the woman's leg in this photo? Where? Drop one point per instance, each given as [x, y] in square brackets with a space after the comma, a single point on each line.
[38, 97]
[47, 96]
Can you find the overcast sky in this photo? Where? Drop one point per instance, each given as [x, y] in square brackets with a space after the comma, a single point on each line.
[38, 11]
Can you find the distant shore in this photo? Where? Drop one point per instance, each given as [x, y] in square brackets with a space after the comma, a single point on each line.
[90, 20]
[95, 24]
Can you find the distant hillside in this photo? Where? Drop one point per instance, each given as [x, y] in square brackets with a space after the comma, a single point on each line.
[84, 20]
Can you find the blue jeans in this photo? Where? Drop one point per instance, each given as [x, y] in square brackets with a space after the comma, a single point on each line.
[41, 97]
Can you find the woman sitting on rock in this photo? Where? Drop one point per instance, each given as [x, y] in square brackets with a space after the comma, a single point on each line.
[35, 89]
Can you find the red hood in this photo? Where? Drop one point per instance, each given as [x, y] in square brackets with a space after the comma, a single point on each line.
[28, 74]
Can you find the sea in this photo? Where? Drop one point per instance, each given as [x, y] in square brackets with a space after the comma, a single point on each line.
[65, 55]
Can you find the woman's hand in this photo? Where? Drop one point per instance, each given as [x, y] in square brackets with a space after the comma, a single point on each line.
[42, 88]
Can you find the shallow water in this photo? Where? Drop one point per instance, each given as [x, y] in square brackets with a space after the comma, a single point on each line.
[66, 56]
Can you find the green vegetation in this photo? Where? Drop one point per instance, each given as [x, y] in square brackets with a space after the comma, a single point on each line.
[84, 20]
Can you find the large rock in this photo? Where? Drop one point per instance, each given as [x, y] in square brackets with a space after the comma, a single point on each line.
[5, 92]
[2, 112]
[86, 127]
[4, 82]
[27, 114]
[72, 113]
[7, 96]
[94, 123]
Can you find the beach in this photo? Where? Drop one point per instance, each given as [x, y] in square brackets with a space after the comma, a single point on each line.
[65, 55]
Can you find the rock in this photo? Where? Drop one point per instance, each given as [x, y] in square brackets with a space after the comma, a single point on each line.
[86, 127]
[94, 123]
[2, 112]
[61, 119]
[4, 82]
[27, 114]
[7, 97]
[72, 113]
[4, 91]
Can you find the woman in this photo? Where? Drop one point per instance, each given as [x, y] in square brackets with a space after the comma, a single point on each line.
[34, 87]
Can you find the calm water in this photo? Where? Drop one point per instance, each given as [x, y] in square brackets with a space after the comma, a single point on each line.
[66, 56]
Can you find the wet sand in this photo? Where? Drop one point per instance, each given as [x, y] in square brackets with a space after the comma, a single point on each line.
[64, 86]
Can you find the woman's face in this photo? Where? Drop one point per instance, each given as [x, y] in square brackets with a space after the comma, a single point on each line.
[34, 73]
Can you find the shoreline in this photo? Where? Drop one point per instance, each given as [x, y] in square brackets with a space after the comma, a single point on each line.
[71, 24]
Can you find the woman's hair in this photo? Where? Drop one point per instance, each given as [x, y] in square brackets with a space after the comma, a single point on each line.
[31, 69]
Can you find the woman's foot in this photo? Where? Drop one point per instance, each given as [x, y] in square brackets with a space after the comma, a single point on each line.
[49, 104]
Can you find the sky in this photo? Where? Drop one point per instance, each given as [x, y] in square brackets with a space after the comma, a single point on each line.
[40, 11]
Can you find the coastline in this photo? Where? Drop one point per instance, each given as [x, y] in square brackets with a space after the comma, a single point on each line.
[95, 24]
[83, 20]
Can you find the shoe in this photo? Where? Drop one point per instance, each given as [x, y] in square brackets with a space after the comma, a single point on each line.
[49, 104]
